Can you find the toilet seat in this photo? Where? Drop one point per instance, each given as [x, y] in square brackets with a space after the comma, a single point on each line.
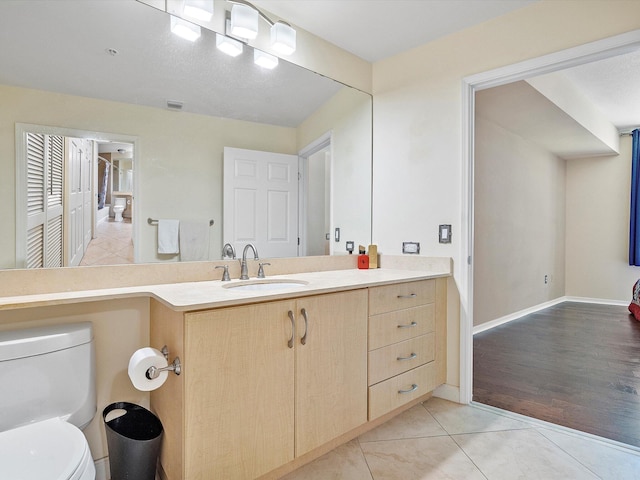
[51, 449]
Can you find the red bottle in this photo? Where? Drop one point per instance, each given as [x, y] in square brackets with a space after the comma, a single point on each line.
[363, 261]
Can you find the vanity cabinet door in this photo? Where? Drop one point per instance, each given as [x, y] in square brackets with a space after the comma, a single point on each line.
[331, 367]
[239, 391]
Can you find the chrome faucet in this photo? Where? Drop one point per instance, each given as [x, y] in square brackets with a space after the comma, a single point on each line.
[228, 251]
[244, 274]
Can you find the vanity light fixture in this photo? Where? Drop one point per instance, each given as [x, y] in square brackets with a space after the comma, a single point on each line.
[244, 24]
[244, 21]
[228, 45]
[264, 59]
[283, 38]
[198, 9]
[184, 29]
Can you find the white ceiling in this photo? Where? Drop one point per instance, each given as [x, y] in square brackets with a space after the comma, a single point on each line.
[613, 85]
[521, 109]
[376, 29]
[61, 46]
[152, 67]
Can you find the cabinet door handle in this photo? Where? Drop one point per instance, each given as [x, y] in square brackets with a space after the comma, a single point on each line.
[410, 357]
[413, 388]
[303, 340]
[293, 329]
[412, 324]
[412, 295]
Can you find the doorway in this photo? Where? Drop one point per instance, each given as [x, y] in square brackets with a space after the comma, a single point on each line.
[316, 198]
[57, 196]
[550, 63]
[112, 240]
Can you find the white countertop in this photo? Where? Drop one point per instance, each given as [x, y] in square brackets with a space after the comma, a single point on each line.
[212, 294]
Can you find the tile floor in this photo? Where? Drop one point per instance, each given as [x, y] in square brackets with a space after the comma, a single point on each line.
[112, 245]
[444, 440]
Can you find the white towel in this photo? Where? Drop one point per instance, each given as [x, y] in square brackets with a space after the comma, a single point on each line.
[168, 236]
[194, 241]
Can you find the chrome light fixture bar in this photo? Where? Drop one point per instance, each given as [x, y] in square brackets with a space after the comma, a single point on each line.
[244, 24]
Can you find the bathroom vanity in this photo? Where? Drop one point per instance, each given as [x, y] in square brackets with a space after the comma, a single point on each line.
[272, 381]
[274, 374]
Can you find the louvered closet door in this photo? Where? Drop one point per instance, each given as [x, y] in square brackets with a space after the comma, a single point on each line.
[53, 238]
[45, 157]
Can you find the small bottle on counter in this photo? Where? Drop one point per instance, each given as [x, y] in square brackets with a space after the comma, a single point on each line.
[363, 259]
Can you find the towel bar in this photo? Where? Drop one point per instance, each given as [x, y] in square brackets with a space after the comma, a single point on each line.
[152, 221]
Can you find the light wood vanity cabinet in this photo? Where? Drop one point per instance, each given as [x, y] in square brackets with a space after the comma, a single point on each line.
[256, 394]
[404, 320]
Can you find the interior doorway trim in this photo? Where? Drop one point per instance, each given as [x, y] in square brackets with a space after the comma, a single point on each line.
[325, 140]
[589, 52]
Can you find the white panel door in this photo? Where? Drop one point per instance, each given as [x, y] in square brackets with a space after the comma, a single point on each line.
[261, 201]
[86, 186]
[74, 217]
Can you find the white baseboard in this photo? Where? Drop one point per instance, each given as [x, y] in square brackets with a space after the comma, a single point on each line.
[536, 308]
[601, 301]
[516, 315]
[448, 392]
[103, 471]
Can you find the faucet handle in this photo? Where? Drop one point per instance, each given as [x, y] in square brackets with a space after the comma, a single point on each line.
[225, 274]
[261, 270]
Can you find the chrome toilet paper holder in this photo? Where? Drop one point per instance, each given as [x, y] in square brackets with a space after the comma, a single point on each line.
[175, 367]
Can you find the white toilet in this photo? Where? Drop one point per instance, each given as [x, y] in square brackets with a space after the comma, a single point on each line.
[119, 205]
[47, 394]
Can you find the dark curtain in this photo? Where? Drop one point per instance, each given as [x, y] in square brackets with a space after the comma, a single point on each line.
[634, 227]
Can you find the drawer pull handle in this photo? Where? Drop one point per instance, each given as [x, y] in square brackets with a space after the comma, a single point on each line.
[293, 329]
[412, 295]
[413, 388]
[410, 357]
[303, 340]
[412, 324]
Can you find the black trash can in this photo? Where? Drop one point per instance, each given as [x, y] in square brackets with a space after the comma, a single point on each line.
[133, 439]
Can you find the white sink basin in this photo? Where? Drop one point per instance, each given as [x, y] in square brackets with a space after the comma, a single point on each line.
[266, 285]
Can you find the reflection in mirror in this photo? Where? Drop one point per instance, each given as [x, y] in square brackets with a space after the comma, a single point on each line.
[122, 175]
[78, 66]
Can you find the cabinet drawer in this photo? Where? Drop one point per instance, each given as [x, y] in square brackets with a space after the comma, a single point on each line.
[395, 392]
[401, 295]
[394, 359]
[393, 327]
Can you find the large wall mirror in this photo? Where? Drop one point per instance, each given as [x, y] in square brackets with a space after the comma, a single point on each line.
[106, 71]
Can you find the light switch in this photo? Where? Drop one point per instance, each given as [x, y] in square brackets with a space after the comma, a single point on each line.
[445, 233]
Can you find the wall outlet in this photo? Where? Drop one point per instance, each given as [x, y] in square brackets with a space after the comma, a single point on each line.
[546, 279]
[411, 247]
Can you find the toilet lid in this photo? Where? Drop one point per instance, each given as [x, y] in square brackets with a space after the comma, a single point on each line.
[51, 449]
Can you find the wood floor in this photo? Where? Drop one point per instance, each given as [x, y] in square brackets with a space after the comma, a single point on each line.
[574, 364]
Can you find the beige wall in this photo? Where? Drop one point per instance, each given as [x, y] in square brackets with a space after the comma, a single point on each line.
[519, 231]
[179, 170]
[598, 192]
[120, 328]
[418, 119]
[347, 115]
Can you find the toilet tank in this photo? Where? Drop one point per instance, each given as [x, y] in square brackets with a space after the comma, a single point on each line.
[47, 372]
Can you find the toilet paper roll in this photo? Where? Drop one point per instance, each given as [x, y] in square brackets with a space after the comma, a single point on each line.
[140, 362]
